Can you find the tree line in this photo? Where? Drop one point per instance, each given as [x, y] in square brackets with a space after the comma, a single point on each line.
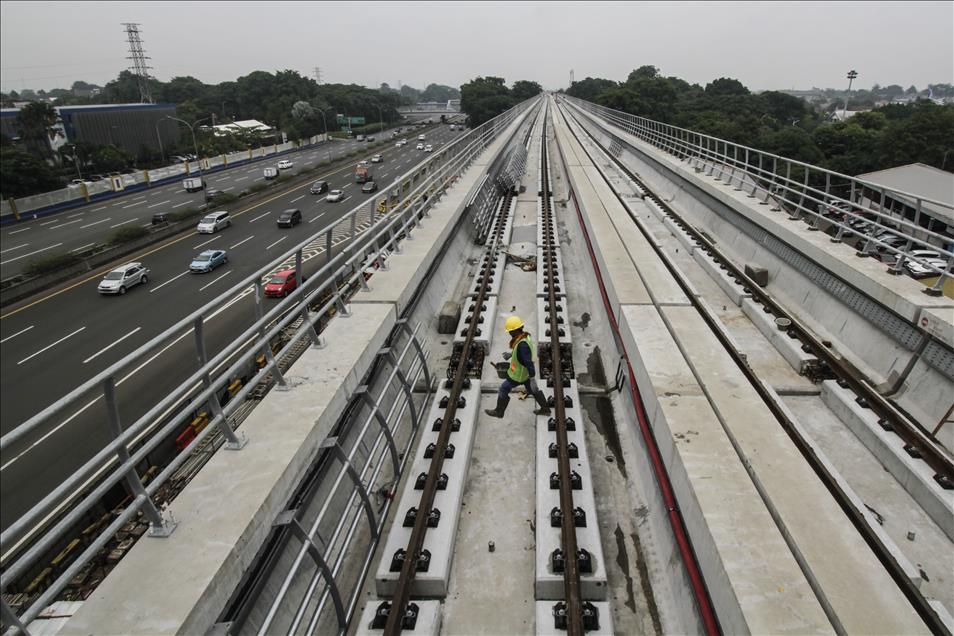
[883, 137]
[483, 98]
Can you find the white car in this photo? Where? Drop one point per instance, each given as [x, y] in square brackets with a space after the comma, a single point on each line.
[122, 278]
[213, 222]
[334, 196]
[404, 142]
[377, 159]
[285, 164]
[932, 262]
[428, 148]
[398, 144]
[420, 146]
[421, 137]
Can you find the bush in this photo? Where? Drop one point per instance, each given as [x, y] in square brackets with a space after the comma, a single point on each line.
[49, 264]
[224, 199]
[257, 187]
[182, 215]
[127, 234]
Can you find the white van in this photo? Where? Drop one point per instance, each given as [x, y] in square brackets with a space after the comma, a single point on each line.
[270, 172]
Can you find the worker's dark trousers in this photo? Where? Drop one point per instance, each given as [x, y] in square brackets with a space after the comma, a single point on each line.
[509, 385]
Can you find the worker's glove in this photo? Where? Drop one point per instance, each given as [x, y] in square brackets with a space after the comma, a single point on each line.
[507, 355]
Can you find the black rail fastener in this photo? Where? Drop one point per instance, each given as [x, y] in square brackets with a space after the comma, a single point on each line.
[572, 450]
[567, 402]
[384, 610]
[461, 401]
[570, 424]
[576, 482]
[422, 479]
[583, 559]
[455, 425]
[590, 616]
[448, 452]
[556, 517]
[433, 518]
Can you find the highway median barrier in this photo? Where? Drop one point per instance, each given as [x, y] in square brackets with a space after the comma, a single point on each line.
[127, 234]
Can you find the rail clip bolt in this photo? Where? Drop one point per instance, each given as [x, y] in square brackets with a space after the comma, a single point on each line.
[490, 546]
[910, 536]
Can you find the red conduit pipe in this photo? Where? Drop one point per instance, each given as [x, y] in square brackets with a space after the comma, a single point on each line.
[709, 619]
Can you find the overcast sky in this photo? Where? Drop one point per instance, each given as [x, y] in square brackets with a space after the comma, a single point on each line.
[768, 45]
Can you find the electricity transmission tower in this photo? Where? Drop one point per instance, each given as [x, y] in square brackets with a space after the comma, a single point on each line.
[138, 57]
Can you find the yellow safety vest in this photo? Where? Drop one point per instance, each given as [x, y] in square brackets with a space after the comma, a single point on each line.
[517, 372]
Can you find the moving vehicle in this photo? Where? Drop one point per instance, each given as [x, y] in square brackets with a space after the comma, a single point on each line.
[214, 222]
[359, 138]
[285, 164]
[428, 148]
[369, 138]
[369, 187]
[334, 196]
[212, 195]
[282, 283]
[289, 218]
[377, 159]
[270, 172]
[362, 174]
[318, 187]
[193, 185]
[160, 218]
[207, 261]
[421, 137]
[122, 278]
[420, 146]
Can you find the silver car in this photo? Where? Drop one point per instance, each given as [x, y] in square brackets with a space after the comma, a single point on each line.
[214, 222]
[122, 278]
[334, 196]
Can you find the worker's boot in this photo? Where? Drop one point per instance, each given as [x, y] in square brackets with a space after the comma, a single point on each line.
[502, 402]
[542, 403]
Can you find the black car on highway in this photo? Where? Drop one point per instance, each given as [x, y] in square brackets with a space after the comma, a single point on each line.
[288, 218]
[318, 187]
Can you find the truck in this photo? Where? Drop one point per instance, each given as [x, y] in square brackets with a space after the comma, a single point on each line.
[270, 172]
[362, 174]
[193, 185]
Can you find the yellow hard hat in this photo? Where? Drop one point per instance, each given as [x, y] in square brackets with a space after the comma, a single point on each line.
[512, 323]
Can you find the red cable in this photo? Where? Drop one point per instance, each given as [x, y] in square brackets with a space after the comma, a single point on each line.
[709, 619]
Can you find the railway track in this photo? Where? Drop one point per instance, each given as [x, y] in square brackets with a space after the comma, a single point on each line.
[891, 418]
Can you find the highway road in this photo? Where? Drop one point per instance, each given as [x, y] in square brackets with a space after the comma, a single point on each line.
[82, 227]
[53, 343]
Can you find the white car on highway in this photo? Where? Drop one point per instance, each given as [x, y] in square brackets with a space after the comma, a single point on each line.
[285, 164]
[122, 278]
[428, 148]
[334, 196]
[420, 146]
[377, 159]
[214, 222]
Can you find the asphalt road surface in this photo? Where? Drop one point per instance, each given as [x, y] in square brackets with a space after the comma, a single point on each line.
[53, 343]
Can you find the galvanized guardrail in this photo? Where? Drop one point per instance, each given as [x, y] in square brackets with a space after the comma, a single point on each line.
[802, 189]
[116, 462]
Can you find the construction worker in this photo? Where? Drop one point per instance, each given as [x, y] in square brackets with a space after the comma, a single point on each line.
[521, 371]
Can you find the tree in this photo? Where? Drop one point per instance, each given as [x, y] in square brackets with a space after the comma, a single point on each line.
[110, 159]
[643, 72]
[35, 123]
[726, 86]
[523, 89]
[439, 93]
[924, 137]
[23, 174]
[590, 87]
[484, 98]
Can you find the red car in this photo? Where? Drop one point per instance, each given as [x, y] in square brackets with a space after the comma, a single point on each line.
[281, 284]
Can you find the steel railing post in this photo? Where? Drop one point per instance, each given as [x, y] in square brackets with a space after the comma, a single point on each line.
[233, 441]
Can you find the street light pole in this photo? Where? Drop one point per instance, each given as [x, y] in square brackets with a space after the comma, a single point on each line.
[380, 120]
[162, 152]
[852, 74]
[195, 146]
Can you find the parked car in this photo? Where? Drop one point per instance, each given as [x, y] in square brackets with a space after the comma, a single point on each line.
[207, 261]
[285, 164]
[334, 196]
[122, 278]
[214, 222]
[282, 283]
[289, 218]
[369, 187]
[318, 187]
[377, 159]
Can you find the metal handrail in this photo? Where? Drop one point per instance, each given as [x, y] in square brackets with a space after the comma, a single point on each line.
[428, 179]
[772, 177]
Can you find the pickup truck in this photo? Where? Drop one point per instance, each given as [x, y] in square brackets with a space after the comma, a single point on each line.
[193, 185]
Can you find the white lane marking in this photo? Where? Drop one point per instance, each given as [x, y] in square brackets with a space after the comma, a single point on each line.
[242, 241]
[158, 287]
[50, 346]
[241, 178]
[49, 222]
[155, 205]
[317, 217]
[277, 242]
[30, 254]
[102, 207]
[73, 216]
[347, 185]
[258, 217]
[111, 346]
[10, 249]
[259, 179]
[83, 247]
[53, 227]
[228, 188]
[132, 205]
[216, 280]
[123, 223]
[179, 205]
[214, 238]
[22, 331]
[146, 224]
[108, 218]
[298, 199]
[18, 231]
[223, 179]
